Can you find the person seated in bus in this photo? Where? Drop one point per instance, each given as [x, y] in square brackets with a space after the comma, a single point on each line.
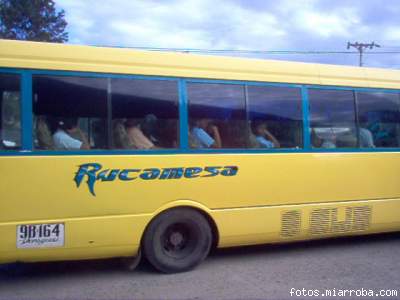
[11, 127]
[263, 136]
[120, 137]
[149, 127]
[205, 134]
[68, 135]
[136, 136]
[329, 142]
[366, 138]
[44, 138]
[316, 141]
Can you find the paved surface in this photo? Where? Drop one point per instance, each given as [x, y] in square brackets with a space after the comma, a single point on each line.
[262, 272]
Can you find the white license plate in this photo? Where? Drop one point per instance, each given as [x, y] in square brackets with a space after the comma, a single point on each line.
[40, 235]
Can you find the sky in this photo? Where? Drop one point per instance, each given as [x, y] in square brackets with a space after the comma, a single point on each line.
[256, 25]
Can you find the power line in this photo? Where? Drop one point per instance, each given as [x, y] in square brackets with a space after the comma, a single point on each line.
[244, 51]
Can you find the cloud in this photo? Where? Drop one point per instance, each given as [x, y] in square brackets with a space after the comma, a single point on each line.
[327, 25]
[237, 24]
[179, 24]
[392, 34]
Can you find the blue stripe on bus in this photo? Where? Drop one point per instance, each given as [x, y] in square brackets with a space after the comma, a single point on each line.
[11, 70]
[26, 111]
[194, 151]
[306, 119]
[183, 116]
[357, 89]
[87, 74]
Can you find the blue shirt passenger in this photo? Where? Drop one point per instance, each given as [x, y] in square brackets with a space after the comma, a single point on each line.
[205, 134]
[202, 138]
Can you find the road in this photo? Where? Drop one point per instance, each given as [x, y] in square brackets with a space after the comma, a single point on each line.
[261, 272]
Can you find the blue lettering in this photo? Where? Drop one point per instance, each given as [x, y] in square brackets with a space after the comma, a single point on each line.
[93, 172]
[150, 173]
[193, 172]
[212, 170]
[124, 175]
[229, 171]
[103, 176]
[171, 173]
[88, 170]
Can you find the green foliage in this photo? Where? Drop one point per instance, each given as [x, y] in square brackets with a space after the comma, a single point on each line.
[33, 20]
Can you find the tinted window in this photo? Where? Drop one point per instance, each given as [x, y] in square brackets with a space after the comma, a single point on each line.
[217, 116]
[144, 114]
[332, 119]
[275, 116]
[70, 112]
[10, 106]
[379, 119]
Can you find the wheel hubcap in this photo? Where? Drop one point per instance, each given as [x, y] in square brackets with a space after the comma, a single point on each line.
[176, 239]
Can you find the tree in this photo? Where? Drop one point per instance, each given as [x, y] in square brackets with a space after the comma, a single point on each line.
[33, 20]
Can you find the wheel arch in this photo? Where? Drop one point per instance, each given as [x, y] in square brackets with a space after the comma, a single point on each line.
[205, 211]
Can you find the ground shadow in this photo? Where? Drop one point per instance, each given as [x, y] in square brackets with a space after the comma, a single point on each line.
[26, 271]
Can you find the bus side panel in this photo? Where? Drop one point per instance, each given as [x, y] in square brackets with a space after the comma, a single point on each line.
[302, 222]
[47, 187]
[84, 238]
[118, 191]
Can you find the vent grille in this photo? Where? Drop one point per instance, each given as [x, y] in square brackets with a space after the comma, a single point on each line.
[361, 218]
[341, 226]
[319, 221]
[291, 223]
[327, 220]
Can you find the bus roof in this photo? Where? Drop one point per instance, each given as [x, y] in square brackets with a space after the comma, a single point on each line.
[66, 57]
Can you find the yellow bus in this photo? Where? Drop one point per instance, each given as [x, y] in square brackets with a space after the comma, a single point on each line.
[109, 152]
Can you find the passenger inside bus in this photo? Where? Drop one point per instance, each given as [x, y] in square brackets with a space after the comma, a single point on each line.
[44, 137]
[149, 126]
[366, 138]
[68, 136]
[136, 137]
[205, 134]
[328, 142]
[263, 136]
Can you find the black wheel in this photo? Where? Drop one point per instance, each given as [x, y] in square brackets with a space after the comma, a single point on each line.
[177, 240]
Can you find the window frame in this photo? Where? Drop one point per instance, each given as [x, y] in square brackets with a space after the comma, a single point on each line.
[107, 76]
[110, 91]
[358, 102]
[355, 90]
[354, 112]
[27, 115]
[302, 108]
[23, 109]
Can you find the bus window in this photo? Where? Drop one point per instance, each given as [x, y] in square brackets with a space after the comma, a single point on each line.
[10, 125]
[379, 119]
[332, 119]
[144, 113]
[217, 115]
[70, 113]
[275, 116]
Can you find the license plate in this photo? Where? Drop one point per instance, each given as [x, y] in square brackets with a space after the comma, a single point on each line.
[40, 235]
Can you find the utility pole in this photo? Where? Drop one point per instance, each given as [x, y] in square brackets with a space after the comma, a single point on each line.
[360, 47]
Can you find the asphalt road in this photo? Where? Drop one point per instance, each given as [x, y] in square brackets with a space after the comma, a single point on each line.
[261, 272]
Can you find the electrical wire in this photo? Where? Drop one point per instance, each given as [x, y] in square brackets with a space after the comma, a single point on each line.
[242, 51]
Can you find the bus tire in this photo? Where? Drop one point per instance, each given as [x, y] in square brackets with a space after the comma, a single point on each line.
[177, 240]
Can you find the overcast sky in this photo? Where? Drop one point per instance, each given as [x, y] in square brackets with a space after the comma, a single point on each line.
[242, 24]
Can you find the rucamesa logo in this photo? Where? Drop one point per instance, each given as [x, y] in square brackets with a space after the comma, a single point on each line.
[94, 172]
